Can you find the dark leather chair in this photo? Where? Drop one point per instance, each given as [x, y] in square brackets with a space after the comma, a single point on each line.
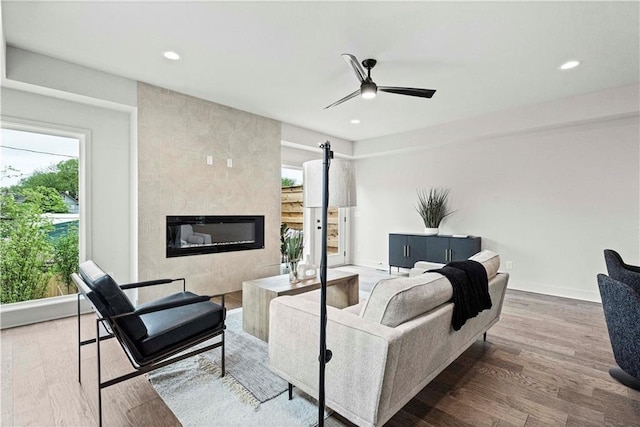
[620, 292]
[152, 334]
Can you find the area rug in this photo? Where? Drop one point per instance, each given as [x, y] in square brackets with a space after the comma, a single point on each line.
[249, 394]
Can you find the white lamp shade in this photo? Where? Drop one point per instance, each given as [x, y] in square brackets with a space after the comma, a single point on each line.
[342, 183]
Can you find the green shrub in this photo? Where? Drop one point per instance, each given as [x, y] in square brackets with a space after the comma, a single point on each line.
[288, 182]
[66, 256]
[25, 251]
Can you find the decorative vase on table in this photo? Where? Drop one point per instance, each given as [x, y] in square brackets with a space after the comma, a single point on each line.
[293, 245]
[431, 231]
[306, 269]
[293, 271]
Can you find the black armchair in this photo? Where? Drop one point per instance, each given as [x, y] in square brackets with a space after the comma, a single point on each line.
[153, 334]
[620, 292]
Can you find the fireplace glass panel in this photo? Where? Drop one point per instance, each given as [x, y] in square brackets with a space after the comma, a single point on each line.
[194, 235]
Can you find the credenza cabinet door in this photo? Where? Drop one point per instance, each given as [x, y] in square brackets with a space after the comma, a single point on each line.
[398, 250]
[461, 249]
[437, 249]
[416, 249]
[407, 249]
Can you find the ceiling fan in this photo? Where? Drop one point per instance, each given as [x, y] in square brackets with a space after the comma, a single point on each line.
[368, 88]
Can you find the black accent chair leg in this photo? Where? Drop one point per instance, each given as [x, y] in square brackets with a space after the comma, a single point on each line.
[623, 378]
[79, 345]
[290, 391]
[484, 337]
[99, 379]
[223, 370]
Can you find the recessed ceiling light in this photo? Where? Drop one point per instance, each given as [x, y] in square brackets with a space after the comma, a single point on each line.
[569, 65]
[171, 55]
[355, 121]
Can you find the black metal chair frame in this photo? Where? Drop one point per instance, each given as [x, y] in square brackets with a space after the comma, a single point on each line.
[112, 330]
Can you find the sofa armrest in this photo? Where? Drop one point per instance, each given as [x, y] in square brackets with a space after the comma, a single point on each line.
[362, 352]
[422, 267]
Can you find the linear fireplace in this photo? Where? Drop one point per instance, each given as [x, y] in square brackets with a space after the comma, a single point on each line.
[195, 235]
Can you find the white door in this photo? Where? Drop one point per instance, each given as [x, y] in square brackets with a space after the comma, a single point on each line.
[336, 235]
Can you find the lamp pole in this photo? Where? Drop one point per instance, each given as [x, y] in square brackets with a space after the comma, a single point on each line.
[325, 355]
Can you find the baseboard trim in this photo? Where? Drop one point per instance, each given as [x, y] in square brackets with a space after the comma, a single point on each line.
[537, 288]
[40, 310]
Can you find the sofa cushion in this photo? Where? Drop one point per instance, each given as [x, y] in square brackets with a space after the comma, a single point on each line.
[394, 301]
[427, 265]
[490, 260]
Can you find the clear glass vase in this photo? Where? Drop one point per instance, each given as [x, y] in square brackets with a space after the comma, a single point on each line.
[293, 271]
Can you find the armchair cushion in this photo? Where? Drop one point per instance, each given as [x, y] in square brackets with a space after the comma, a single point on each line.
[618, 270]
[111, 300]
[175, 325]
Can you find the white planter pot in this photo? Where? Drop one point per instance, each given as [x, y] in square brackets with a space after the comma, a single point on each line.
[431, 231]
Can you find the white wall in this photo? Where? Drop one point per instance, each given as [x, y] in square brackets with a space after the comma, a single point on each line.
[305, 140]
[46, 72]
[546, 195]
[295, 157]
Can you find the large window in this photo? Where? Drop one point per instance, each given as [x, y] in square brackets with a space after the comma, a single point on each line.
[40, 215]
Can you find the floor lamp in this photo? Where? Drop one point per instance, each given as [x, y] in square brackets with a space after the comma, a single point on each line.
[327, 182]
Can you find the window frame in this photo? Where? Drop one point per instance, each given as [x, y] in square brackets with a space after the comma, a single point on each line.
[39, 310]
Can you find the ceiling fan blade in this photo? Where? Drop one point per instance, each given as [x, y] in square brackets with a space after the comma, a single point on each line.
[423, 93]
[355, 65]
[346, 98]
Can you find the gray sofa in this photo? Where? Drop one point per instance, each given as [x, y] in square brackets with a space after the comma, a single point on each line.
[385, 349]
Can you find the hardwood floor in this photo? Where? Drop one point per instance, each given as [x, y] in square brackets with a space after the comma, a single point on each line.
[544, 363]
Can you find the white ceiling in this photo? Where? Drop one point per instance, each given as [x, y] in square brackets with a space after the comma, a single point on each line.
[282, 60]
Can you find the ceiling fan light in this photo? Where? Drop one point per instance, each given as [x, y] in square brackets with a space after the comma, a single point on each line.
[368, 90]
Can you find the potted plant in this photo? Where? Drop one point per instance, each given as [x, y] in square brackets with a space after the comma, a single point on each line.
[293, 245]
[432, 207]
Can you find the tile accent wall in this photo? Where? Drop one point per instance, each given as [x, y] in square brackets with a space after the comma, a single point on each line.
[176, 133]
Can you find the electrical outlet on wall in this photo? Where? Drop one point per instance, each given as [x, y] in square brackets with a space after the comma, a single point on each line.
[509, 265]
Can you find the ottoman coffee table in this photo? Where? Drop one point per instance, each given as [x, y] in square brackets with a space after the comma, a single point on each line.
[342, 291]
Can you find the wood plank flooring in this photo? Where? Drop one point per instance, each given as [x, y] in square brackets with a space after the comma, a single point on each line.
[545, 363]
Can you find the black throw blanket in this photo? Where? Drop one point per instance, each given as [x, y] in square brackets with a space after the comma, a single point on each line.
[470, 290]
